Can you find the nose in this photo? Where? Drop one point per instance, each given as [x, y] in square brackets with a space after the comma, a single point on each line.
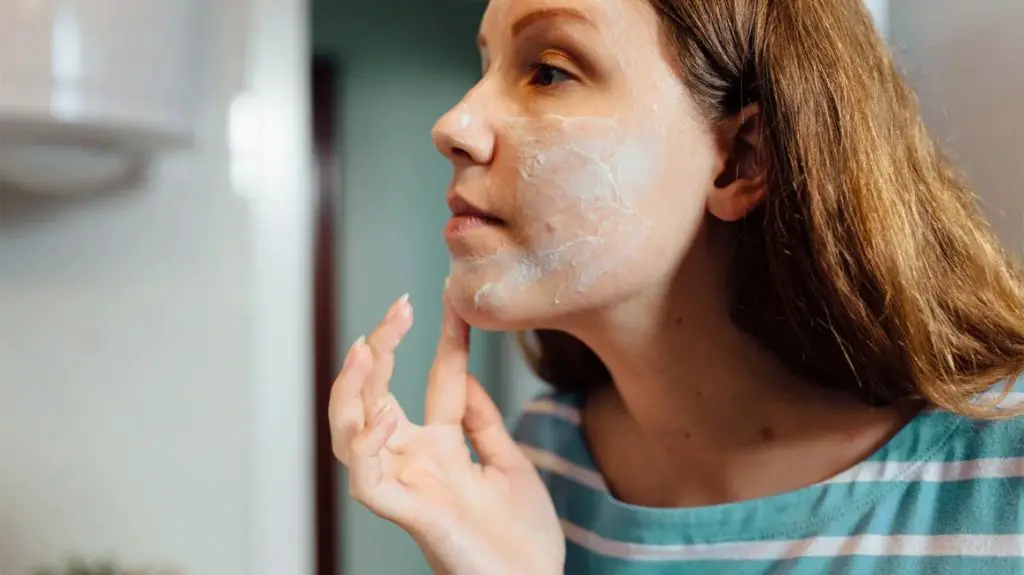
[463, 136]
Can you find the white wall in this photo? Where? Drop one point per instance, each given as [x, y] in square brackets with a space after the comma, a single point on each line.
[966, 61]
[880, 11]
[144, 411]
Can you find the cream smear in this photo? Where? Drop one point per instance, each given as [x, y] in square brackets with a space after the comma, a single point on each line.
[579, 182]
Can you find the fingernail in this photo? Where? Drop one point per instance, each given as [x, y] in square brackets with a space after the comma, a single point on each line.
[355, 345]
[399, 307]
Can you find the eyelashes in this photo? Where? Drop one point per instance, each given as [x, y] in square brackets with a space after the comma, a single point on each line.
[546, 75]
[542, 69]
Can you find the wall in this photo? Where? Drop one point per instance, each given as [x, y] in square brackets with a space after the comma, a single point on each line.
[406, 63]
[880, 11]
[964, 60]
[135, 364]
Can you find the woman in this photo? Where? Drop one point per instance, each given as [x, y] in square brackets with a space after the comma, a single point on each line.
[782, 338]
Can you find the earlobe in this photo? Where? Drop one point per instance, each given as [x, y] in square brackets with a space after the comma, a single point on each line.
[735, 205]
[741, 185]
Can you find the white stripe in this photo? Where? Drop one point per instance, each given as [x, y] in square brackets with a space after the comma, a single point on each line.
[1013, 400]
[937, 471]
[863, 545]
[553, 408]
[550, 462]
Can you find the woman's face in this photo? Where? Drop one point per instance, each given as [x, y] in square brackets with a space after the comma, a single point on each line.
[581, 143]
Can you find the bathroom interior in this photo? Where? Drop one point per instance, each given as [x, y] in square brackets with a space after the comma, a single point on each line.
[178, 285]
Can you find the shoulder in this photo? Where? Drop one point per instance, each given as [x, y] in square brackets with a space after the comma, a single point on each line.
[942, 442]
[943, 446]
[998, 444]
[968, 478]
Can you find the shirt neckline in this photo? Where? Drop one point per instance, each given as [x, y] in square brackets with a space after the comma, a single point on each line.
[789, 515]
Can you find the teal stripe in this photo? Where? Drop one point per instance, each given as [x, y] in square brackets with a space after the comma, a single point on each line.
[554, 435]
[913, 508]
[985, 439]
[580, 561]
[981, 506]
[744, 521]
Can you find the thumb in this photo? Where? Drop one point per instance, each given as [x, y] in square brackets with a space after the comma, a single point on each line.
[486, 430]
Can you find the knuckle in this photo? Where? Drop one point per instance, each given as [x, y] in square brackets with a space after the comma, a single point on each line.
[339, 451]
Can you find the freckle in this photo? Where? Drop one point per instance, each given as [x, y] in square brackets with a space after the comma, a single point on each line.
[687, 435]
[679, 320]
[767, 433]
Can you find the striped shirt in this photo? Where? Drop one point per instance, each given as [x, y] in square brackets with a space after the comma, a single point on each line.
[944, 496]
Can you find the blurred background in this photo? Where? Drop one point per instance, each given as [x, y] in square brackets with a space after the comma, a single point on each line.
[203, 203]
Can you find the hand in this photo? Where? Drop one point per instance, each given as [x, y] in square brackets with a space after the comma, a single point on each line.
[495, 517]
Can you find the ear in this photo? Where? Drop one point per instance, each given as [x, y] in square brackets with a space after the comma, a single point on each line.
[742, 183]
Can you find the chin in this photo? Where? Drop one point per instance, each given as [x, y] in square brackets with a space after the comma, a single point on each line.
[473, 303]
[491, 319]
[511, 305]
[501, 303]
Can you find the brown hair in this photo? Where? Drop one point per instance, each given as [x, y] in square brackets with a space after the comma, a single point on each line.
[868, 266]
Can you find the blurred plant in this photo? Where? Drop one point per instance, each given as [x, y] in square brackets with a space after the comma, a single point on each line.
[77, 566]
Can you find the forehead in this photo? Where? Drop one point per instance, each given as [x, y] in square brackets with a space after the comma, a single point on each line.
[503, 17]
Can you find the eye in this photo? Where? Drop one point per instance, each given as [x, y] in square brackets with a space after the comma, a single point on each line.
[545, 75]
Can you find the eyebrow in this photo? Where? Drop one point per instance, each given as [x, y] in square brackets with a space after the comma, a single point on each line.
[532, 18]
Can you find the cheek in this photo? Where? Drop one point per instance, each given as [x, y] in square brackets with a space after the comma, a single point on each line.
[587, 181]
[676, 205]
[596, 211]
[578, 185]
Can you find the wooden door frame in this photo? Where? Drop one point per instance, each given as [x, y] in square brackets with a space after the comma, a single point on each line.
[325, 78]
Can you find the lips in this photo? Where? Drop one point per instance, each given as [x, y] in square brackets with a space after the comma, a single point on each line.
[463, 209]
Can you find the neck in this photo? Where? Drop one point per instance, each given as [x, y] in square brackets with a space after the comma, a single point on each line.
[699, 413]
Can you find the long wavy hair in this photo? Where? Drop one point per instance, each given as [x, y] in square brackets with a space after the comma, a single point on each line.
[868, 267]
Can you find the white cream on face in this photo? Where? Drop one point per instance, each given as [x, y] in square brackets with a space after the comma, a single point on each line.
[578, 184]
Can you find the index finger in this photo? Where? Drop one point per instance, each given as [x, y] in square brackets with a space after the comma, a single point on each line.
[446, 385]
